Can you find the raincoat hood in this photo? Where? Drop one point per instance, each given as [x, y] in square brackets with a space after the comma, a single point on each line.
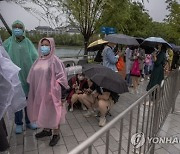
[52, 46]
[20, 23]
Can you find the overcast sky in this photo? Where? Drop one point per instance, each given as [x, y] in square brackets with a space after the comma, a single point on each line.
[11, 12]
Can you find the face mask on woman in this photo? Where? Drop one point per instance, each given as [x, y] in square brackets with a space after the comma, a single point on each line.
[17, 32]
[45, 50]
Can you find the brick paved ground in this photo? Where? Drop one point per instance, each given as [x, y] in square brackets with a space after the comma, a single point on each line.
[171, 128]
[78, 128]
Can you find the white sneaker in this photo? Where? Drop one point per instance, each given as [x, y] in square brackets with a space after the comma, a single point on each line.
[142, 79]
[84, 107]
[148, 78]
[102, 121]
[131, 91]
[71, 109]
[148, 103]
[137, 92]
[89, 114]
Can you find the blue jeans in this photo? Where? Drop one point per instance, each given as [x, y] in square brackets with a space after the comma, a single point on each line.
[128, 79]
[19, 117]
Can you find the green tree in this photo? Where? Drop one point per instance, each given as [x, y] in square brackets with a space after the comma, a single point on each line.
[173, 19]
[115, 14]
[84, 14]
[139, 21]
[129, 17]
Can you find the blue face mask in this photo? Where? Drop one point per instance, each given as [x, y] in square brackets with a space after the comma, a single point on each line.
[45, 50]
[18, 32]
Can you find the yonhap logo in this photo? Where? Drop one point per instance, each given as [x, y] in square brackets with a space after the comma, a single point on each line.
[138, 140]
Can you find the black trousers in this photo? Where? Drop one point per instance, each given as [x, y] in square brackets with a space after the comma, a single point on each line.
[4, 145]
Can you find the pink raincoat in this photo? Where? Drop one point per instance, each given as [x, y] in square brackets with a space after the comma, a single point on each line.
[44, 99]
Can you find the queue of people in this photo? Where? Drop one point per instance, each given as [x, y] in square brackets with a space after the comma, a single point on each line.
[39, 78]
[44, 87]
[140, 66]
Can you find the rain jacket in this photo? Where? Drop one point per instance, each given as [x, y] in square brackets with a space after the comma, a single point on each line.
[23, 54]
[12, 97]
[45, 78]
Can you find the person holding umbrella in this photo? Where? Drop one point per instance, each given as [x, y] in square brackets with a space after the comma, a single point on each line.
[105, 85]
[88, 98]
[77, 85]
[100, 98]
[109, 57]
[157, 74]
[98, 46]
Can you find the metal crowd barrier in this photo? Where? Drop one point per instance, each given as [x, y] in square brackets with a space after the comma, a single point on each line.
[139, 122]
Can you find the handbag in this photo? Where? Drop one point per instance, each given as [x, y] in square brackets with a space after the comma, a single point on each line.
[120, 64]
[135, 70]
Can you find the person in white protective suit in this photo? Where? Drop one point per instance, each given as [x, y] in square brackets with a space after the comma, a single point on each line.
[12, 97]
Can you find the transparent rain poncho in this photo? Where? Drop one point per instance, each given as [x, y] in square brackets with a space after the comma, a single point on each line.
[12, 97]
[23, 54]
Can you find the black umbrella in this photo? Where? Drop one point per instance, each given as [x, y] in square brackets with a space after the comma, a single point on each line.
[121, 39]
[173, 45]
[91, 69]
[139, 39]
[148, 50]
[154, 41]
[106, 78]
[177, 49]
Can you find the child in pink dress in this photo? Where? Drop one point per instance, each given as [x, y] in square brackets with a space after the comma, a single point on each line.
[47, 79]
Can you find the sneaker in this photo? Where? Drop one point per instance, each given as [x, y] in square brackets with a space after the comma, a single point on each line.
[148, 103]
[32, 126]
[142, 79]
[148, 78]
[90, 113]
[102, 121]
[54, 140]
[84, 107]
[43, 133]
[137, 92]
[71, 109]
[133, 92]
[19, 129]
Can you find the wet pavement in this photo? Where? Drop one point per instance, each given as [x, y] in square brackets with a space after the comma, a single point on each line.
[78, 128]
